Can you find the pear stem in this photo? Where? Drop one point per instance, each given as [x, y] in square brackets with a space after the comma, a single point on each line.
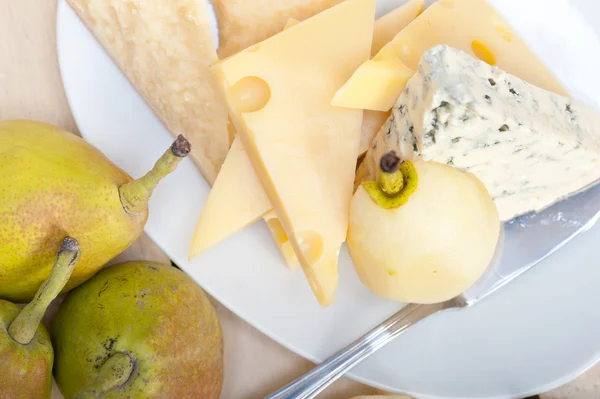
[114, 373]
[391, 180]
[24, 326]
[135, 195]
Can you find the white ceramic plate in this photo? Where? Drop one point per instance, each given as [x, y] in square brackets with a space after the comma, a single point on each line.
[533, 335]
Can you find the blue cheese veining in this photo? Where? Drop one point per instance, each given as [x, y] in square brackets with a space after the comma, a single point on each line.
[530, 147]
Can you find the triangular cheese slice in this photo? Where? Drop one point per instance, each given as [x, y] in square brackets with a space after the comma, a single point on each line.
[472, 26]
[303, 149]
[242, 210]
[226, 211]
[216, 221]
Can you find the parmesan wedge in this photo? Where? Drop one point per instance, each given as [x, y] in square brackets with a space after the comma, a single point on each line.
[165, 47]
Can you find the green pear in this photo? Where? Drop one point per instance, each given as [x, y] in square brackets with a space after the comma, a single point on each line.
[138, 330]
[54, 184]
[26, 353]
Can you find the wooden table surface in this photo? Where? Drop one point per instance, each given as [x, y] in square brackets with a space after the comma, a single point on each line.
[31, 88]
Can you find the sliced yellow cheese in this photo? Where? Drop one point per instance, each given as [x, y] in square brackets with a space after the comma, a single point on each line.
[273, 223]
[385, 29]
[243, 23]
[281, 239]
[165, 48]
[226, 211]
[213, 226]
[388, 26]
[235, 201]
[303, 149]
[469, 25]
[231, 208]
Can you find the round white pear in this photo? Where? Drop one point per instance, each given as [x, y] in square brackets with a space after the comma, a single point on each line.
[431, 248]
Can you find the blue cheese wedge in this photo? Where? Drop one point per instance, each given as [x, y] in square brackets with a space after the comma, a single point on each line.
[529, 147]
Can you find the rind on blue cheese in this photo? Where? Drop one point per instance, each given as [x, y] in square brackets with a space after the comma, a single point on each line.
[529, 147]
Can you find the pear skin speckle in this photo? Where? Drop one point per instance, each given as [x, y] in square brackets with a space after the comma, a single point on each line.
[175, 337]
[54, 184]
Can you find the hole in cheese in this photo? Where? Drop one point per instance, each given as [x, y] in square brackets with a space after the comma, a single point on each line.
[504, 31]
[483, 52]
[250, 94]
[231, 130]
[277, 230]
[311, 245]
[447, 3]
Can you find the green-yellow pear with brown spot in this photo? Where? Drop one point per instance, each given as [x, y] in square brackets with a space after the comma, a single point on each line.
[54, 184]
[138, 330]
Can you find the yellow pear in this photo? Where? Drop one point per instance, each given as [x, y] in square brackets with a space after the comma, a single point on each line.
[423, 233]
[53, 184]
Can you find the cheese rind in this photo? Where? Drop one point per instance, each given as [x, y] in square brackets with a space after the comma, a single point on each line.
[165, 48]
[303, 149]
[530, 147]
[482, 31]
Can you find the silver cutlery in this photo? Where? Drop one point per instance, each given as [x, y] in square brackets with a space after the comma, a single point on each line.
[524, 242]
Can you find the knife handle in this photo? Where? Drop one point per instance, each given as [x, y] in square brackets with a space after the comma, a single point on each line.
[315, 381]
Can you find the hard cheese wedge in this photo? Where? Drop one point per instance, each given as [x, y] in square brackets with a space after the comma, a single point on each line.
[235, 201]
[165, 48]
[217, 221]
[242, 210]
[469, 25]
[303, 149]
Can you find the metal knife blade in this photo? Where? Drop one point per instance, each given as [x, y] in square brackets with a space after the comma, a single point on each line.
[528, 239]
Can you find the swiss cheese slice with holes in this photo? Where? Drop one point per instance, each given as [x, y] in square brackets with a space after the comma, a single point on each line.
[302, 148]
[226, 213]
[469, 25]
